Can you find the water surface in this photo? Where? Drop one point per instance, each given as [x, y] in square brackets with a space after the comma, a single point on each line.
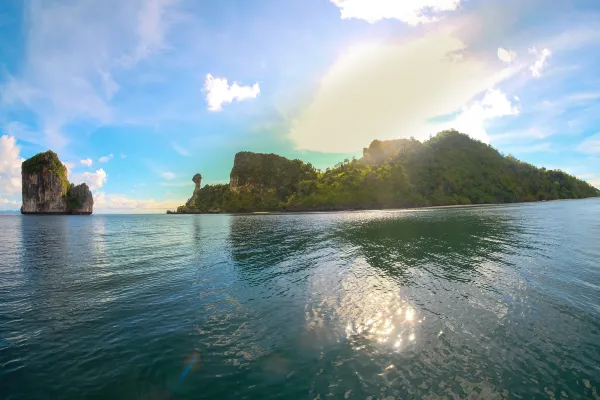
[490, 302]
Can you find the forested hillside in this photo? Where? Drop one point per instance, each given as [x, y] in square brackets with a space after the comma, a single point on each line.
[448, 169]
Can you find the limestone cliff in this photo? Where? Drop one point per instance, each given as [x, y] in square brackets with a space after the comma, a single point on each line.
[255, 177]
[46, 189]
[197, 179]
[267, 171]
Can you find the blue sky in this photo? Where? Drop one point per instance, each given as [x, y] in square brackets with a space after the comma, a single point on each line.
[138, 96]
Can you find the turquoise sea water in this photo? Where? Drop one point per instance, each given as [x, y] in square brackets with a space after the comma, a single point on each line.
[486, 302]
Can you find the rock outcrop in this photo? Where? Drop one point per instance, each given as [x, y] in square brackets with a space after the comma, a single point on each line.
[255, 177]
[197, 179]
[46, 189]
[261, 171]
[80, 200]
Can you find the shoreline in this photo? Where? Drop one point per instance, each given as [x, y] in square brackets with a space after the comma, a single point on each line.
[373, 209]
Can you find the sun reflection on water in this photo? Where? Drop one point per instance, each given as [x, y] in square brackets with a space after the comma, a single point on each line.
[393, 323]
[370, 309]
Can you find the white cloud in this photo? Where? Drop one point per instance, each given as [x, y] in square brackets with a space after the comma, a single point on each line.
[507, 56]
[123, 155]
[180, 149]
[8, 204]
[590, 145]
[10, 166]
[473, 118]
[69, 166]
[412, 12]
[106, 159]
[218, 92]
[541, 61]
[154, 19]
[95, 180]
[87, 162]
[168, 175]
[22, 132]
[109, 85]
[116, 203]
[66, 76]
[389, 91]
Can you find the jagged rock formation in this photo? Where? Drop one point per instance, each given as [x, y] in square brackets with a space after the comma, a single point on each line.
[46, 189]
[190, 205]
[197, 179]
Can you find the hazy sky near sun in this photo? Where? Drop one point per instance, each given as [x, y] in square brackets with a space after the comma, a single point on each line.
[137, 96]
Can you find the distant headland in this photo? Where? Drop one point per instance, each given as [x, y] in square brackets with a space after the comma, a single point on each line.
[448, 169]
[46, 189]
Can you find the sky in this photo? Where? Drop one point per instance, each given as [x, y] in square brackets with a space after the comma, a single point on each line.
[137, 96]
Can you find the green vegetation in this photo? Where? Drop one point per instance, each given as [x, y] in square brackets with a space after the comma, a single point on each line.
[73, 199]
[448, 169]
[47, 162]
[270, 171]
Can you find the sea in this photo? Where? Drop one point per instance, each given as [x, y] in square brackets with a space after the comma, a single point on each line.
[494, 302]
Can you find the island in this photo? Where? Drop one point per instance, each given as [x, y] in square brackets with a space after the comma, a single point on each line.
[450, 168]
[46, 189]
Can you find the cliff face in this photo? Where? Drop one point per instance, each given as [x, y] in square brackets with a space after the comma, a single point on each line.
[267, 171]
[80, 200]
[46, 189]
[255, 177]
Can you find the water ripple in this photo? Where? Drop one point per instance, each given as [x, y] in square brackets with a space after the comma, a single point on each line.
[490, 302]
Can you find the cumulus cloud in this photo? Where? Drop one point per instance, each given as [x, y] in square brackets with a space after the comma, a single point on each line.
[474, 117]
[168, 175]
[10, 166]
[116, 203]
[106, 159]
[95, 180]
[541, 61]
[218, 92]
[388, 91]
[87, 162]
[507, 56]
[412, 12]
[590, 145]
